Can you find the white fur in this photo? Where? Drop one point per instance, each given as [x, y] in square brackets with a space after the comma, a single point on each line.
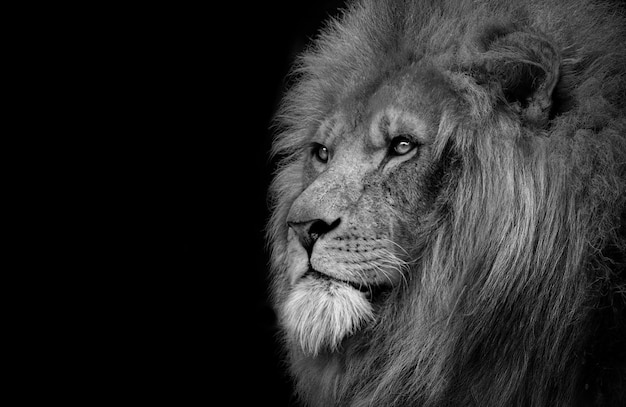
[319, 314]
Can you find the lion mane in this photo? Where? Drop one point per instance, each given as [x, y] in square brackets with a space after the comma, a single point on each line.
[449, 207]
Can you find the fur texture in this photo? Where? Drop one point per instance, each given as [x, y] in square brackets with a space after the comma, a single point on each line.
[323, 316]
[503, 231]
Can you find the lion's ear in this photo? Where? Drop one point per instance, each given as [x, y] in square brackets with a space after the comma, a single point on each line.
[524, 68]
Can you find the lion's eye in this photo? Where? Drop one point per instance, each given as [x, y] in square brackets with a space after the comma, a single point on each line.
[320, 153]
[402, 145]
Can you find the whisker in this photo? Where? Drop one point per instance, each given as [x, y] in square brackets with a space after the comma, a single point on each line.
[383, 272]
[402, 249]
[388, 261]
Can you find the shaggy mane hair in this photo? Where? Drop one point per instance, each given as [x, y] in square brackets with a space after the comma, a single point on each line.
[517, 294]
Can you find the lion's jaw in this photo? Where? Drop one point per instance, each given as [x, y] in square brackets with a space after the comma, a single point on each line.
[319, 313]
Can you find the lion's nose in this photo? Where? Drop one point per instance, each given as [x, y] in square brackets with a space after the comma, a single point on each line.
[308, 232]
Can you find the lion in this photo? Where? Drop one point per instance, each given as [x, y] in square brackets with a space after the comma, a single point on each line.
[448, 220]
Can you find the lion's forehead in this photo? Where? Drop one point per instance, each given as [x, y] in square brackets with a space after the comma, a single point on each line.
[409, 102]
[376, 130]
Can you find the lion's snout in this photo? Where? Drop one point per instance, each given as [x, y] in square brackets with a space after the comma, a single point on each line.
[309, 231]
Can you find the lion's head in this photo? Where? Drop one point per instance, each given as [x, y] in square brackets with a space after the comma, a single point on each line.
[371, 176]
[447, 206]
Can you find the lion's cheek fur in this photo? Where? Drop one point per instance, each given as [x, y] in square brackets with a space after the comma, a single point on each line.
[319, 314]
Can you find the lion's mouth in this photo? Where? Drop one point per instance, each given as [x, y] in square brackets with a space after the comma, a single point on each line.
[371, 291]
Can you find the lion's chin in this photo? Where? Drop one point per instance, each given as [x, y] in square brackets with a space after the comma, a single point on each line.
[320, 313]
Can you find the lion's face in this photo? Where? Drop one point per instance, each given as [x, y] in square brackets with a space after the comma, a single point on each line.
[359, 208]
